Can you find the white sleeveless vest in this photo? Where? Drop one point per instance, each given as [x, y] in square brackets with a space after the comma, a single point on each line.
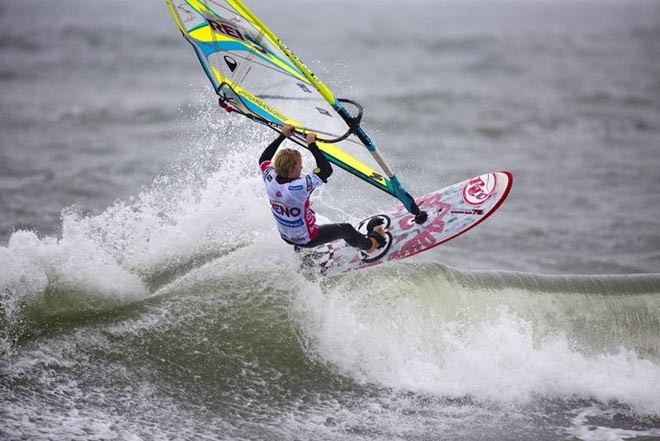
[289, 203]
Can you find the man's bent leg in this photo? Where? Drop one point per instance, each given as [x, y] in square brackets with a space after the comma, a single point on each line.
[331, 232]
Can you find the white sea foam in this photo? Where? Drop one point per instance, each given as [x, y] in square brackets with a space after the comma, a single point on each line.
[585, 429]
[199, 210]
[30, 267]
[447, 347]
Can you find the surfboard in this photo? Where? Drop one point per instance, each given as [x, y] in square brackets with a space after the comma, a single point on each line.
[451, 211]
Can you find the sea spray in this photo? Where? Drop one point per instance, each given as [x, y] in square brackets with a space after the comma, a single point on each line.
[201, 207]
[420, 328]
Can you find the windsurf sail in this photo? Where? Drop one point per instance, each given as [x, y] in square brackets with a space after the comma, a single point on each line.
[258, 77]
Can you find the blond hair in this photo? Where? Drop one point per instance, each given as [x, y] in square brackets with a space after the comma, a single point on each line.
[286, 160]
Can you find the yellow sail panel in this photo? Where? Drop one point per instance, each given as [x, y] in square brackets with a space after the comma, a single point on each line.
[353, 164]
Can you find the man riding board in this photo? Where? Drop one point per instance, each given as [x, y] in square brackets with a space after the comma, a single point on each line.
[289, 192]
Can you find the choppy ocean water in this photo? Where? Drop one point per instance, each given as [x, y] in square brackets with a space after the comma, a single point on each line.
[144, 293]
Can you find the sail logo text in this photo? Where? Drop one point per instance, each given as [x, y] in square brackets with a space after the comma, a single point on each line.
[225, 28]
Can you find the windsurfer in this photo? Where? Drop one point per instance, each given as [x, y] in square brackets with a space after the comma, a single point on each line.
[289, 192]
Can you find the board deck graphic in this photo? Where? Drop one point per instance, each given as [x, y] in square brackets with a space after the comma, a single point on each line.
[452, 211]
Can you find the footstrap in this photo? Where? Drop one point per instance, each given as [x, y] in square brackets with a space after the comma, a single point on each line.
[379, 239]
[374, 222]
